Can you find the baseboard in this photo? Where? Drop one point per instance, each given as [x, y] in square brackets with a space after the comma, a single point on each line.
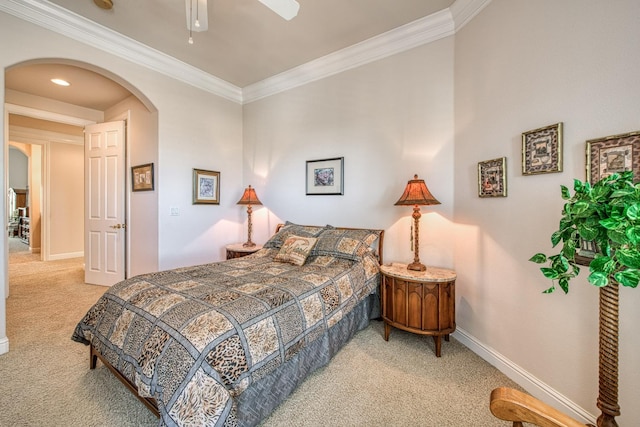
[526, 380]
[4, 345]
[68, 255]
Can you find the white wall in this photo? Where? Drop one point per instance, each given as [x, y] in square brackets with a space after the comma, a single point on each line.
[516, 66]
[521, 65]
[66, 202]
[196, 129]
[389, 120]
[18, 169]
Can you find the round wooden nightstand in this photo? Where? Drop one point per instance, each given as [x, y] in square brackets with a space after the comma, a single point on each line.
[237, 250]
[422, 302]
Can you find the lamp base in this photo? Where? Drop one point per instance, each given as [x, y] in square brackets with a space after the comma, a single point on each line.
[248, 244]
[416, 266]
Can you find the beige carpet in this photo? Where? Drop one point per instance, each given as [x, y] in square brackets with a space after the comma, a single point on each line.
[45, 378]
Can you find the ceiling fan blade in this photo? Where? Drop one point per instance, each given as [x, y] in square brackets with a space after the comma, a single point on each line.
[197, 17]
[288, 9]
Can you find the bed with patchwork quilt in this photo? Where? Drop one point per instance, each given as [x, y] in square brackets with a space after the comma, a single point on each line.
[223, 344]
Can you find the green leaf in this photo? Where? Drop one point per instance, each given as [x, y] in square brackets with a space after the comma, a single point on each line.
[565, 192]
[549, 273]
[569, 249]
[556, 238]
[550, 290]
[610, 223]
[628, 278]
[602, 264]
[598, 279]
[617, 236]
[628, 257]
[579, 208]
[588, 232]
[622, 193]
[633, 234]
[560, 264]
[564, 284]
[633, 211]
[538, 258]
[577, 185]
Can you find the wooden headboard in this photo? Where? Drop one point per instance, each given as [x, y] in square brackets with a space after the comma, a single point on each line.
[377, 247]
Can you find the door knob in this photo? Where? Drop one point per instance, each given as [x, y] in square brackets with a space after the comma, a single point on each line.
[115, 226]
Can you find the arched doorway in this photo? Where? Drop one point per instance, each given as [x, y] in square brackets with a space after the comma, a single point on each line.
[109, 97]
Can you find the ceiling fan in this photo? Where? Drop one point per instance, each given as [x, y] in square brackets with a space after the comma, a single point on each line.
[197, 17]
[197, 11]
[288, 9]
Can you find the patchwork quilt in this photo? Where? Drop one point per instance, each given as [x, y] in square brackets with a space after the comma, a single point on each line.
[196, 338]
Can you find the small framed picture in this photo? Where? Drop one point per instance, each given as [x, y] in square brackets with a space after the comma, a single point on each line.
[325, 177]
[492, 178]
[142, 177]
[206, 187]
[542, 150]
[611, 154]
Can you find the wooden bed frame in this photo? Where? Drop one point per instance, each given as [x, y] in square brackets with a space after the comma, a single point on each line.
[150, 402]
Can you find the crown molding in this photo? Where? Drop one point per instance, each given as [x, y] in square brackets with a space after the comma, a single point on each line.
[425, 30]
[464, 11]
[413, 34]
[67, 23]
[422, 31]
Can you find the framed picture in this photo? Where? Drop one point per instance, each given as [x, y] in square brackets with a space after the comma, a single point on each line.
[492, 178]
[142, 177]
[206, 187]
[542, 150]
[325, 176]
[611, 154]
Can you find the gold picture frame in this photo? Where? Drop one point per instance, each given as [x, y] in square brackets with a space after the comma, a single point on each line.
[206, 187]
[142, 177]
[542, 150]
[611, 154]
[492, 178]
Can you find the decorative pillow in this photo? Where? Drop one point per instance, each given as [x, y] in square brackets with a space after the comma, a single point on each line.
[296, 249]
[346, 244]
[290, 229]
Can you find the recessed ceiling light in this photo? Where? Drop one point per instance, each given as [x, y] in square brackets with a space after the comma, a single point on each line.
[61, 82]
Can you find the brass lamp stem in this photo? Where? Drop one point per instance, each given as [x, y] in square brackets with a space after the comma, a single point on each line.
[249, 243]
[416, 265]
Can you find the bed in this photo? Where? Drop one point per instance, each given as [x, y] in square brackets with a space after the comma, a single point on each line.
[223, 344]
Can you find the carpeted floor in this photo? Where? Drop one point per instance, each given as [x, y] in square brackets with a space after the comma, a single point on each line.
[45, 378]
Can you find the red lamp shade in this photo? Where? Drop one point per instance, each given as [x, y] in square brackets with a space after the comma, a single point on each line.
[416, 193]
[249, 198]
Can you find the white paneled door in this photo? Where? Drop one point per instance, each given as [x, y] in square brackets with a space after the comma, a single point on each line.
[104, 244]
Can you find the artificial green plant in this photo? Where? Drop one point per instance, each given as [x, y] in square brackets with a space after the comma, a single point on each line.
[606, 213]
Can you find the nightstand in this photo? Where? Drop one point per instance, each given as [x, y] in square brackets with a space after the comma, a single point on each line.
[422, 302]
[238, 251]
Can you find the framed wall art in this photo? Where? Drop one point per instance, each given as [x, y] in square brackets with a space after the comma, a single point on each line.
[542, 150]
[206, 187]
[611, 154]
[142, 177]
[325, 177]
[492, 178]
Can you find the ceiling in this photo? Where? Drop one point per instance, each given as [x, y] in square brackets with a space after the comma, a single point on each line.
[246, 42]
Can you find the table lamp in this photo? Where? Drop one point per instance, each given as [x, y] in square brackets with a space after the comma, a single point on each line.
[249, 198]
[415, 194]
